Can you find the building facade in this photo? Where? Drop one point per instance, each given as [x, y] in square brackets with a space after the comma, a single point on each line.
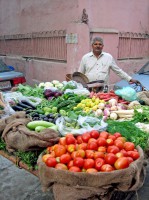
[46, 39]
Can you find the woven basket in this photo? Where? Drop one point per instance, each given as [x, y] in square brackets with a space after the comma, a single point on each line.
[68, 77]
[80, 78]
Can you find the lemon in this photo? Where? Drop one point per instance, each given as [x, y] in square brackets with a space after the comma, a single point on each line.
[95, 107]
[88, 104]
[79, 105]
[92, 104]
[93, 98]
[97, 101]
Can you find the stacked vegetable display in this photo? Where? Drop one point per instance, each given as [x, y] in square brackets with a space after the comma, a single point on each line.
[91, 152]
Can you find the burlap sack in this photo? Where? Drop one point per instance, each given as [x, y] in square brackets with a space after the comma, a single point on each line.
[18, 137]
[76, 186]
[144, 96]
[5, 121]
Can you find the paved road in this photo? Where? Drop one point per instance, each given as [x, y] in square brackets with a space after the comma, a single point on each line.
[18, 184]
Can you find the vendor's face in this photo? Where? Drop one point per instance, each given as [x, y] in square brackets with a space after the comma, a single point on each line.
[97, 47]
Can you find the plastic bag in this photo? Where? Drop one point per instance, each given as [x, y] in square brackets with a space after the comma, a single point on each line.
[127, 93]
[92, 123]
[64, 129]
[82, 91]
[32, 100]
[84, 122]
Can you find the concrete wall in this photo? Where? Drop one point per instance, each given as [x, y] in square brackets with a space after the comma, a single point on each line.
[105, 18]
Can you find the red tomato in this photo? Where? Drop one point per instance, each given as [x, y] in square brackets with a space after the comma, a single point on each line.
[123, 139]
[117, 134]
[119, 144]
[59, 150]
[101, 141]
[71, 148]
[73, 154]
[51, 162]
[110, 158]
[62, 141]
[91, 170]
[104, 134]
[83, 146]
[74, 169]
[61, 166]
[92, 146]
[65, 158]
[107, 168]
[113, 137]
[80, 153]
[92, 140]
[102, 149]
[88, 163]
[98, 163]
[119, 154]
[70, 139]
[134, 154]
[121, 163]
[46, 156]
[113, 149]
[79, 139]
[130, 159]
[49, 149]
[89, 154]
[98, 154]
[94, 134]
[109, 142]
[78, 161]
[129, 146]
[85, 137]
[70, 164]
[124, 152]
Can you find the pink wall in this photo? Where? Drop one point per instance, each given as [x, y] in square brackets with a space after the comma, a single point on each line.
[106, 19]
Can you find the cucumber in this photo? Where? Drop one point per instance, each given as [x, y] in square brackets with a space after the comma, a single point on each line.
[32, 125]
[39, 128]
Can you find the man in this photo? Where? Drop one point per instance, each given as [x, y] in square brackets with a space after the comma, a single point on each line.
[96, 65]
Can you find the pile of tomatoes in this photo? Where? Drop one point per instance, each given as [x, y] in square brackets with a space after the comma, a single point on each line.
[91, 152]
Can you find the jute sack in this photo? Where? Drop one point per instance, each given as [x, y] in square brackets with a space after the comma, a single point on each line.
[75, 186]
[144, 96]
[18, 137]
[5, 121]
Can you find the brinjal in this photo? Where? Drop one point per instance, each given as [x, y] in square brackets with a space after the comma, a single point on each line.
[28, 104]
[24, 105]
[17, 108]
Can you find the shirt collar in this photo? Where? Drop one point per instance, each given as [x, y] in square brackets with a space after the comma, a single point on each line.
[91, 54]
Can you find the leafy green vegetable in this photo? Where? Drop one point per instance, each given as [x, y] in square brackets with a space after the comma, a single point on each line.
[141, 114]
[2, 145]
[130, 131]
[29, 158]
[27, 90]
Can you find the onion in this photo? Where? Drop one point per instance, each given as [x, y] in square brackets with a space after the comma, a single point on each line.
[106, 112]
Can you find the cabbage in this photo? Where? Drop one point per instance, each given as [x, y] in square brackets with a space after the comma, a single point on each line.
[48, 84]
[41, 85]
[55, 82]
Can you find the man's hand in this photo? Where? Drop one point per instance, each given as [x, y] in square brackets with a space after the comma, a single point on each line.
[134, 81]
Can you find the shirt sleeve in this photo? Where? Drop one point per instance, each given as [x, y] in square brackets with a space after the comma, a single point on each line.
[119, 71]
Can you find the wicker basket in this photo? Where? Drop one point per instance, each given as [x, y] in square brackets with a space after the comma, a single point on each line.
[80, 78]
[68, 77]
